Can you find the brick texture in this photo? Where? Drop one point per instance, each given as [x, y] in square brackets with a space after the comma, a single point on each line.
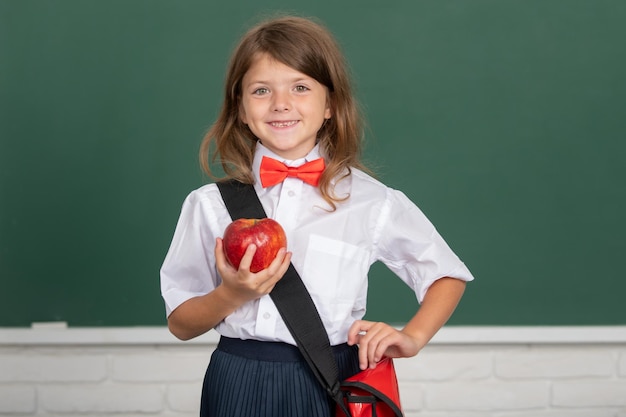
[444, 380]
[17, 399]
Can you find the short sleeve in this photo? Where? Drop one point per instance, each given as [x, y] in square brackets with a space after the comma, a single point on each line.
[189, 266]
[410, 246]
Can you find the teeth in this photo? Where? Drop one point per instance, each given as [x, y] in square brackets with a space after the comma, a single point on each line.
[284, 124]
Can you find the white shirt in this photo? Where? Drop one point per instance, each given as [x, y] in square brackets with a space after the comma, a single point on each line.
[332, 251]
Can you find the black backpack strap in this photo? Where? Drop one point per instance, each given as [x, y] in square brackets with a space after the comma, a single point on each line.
[241, 200]
[290, 295]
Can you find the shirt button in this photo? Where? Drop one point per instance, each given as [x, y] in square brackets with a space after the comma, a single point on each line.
[267, 316]
[291, 193]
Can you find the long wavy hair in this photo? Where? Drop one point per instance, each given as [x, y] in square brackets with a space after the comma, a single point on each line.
[308, 47]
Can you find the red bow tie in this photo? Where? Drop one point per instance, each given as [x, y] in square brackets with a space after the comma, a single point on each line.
[273, 171]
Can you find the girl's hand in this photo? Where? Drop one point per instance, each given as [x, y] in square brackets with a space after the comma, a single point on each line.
[242, 285]
[376, 339]
[200, 314]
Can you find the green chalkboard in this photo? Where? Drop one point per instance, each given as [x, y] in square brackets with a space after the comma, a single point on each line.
[505, 121]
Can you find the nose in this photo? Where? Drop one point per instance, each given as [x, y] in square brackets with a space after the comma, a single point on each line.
[281, 102]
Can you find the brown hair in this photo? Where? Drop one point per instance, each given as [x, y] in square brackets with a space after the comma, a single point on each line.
[309, 48]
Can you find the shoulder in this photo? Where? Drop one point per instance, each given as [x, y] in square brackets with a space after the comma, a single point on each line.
[360, 180]
[206, 195]
[363, 184]
[204, 207]
[204, 192]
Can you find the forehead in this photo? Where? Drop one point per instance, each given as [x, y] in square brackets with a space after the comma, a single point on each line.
[267, 67]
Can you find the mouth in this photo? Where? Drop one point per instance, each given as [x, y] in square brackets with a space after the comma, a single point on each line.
[286, 123]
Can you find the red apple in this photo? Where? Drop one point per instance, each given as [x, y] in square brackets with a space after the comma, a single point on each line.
[267, 234]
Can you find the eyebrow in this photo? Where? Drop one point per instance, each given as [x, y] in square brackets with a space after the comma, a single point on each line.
[292, 81]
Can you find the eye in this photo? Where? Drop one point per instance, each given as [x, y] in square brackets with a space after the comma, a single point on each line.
[301, 88]
[260, 91]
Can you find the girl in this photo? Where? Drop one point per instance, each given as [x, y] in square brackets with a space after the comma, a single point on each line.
[288, 98]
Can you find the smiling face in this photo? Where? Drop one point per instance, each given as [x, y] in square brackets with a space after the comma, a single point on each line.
[283, 107]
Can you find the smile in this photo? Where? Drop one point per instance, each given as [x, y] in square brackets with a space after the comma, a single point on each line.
[284, 124]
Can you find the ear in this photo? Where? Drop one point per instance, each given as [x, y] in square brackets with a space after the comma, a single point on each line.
[328, 113]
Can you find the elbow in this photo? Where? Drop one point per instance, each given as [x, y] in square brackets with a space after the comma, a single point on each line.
[179, 331]
[187, 321]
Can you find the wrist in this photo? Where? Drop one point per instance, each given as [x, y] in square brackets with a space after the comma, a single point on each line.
[228, 298]
[419, 336]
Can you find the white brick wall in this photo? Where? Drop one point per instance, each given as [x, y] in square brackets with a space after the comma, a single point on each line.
[469, 372]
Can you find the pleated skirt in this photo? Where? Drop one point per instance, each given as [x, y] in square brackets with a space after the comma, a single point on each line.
[249, 378]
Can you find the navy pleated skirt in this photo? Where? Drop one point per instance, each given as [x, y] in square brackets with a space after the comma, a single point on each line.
[249, 378]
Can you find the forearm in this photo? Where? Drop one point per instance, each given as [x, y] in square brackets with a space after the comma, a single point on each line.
[200, 314]
[440, 301]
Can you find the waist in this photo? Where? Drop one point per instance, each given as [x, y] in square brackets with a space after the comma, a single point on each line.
[268, 351]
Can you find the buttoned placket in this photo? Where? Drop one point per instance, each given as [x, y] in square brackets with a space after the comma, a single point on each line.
[285, 213]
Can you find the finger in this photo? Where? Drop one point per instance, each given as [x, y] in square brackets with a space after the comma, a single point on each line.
[277, 262]
[377, 351]
[280, 265]
[274, 272]
[355, 332]
[361, 333]
[384, 341]
[246, 259]
[285, 262]
[220, 259]
[363, 360]
[371, 340]
[376, 342]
